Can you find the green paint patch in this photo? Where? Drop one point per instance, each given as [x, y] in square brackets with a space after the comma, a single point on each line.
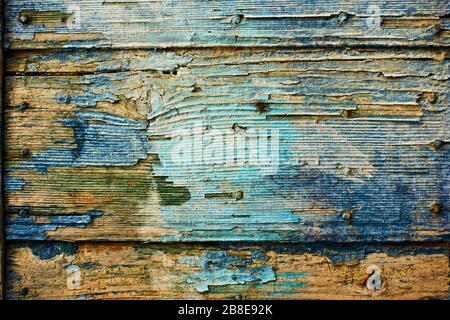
[170, 194]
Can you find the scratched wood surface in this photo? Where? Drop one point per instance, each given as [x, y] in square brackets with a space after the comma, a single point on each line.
[131, 271]
[367, 160]
[244, 139]
[168, 23]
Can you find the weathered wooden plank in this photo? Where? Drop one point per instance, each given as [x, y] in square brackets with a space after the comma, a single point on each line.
[170, 23]
[49, 270]
[101, 141]
[2, 213]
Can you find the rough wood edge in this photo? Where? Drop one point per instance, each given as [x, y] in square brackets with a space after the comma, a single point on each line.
[2, 240]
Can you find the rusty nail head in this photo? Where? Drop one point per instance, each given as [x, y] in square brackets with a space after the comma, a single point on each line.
[24, 19]
[237, 18]
[262, 107]
[346, 113]
[238, 195]
[342, 17]
[437, 144]
[435, 29]
[347, 215]
[435, 208]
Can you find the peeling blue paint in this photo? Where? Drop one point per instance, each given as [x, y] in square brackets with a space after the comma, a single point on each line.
[220, 269]
[110, 141]
[27, 228]
[49, 250]
[85, 101]
[14, 183]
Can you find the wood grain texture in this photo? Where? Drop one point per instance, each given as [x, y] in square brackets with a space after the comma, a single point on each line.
[274, 128]
[49, 270]
[2, 203]
[360, 134]
[171, 23]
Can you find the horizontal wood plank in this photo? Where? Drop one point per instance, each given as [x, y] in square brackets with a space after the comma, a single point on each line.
[2, 144]
[99, 145]
[171, 23]
[49, 270]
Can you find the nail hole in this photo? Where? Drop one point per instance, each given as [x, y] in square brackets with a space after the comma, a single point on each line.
[347, 216]
[346, 113]
[24, 291]
[261, 106]
[23, 106]
[25, 152]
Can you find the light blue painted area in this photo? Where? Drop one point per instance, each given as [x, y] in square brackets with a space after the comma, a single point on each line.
[74, 220]
[85, 100]
[221, 269]
[229, 277]
[26, 228]
[269, 24]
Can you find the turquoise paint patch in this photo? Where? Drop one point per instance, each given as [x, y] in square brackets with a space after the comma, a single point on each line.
[292, 275]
